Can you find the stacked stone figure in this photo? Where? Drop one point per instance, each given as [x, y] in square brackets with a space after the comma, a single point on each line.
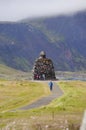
[43, 68]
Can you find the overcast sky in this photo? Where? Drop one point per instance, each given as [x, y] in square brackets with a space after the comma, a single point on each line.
[13, 10]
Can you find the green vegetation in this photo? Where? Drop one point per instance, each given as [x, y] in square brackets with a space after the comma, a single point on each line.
[9, 73]
[14, 94]
[6, 70]
[74, 99]
[22, 63]
[62, 113]
[19, 93]
[52, 36]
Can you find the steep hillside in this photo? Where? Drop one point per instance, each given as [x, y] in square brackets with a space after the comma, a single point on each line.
[68, 34]
[20, 44]
[63, 38]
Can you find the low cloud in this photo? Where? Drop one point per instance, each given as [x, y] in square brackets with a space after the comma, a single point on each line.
[13, 10]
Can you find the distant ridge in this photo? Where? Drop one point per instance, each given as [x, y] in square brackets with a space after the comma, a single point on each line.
[63, 39]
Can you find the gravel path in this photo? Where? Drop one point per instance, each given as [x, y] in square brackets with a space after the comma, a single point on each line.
[56, 93]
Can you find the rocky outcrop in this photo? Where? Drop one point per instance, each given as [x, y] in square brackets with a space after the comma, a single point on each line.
[43, 68]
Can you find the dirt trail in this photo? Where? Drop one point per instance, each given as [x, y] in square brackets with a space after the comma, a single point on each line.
[56, 93]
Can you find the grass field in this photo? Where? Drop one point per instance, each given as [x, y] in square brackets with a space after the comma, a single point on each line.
[14, 94]
[74, 99]
[62, 113]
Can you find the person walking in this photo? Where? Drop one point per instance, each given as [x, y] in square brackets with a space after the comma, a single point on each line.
[51, 85]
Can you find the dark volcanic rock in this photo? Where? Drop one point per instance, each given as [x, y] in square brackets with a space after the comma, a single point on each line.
[43, 68]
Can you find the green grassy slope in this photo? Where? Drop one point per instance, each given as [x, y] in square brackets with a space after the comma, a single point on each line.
[10, 73]
[7, 70]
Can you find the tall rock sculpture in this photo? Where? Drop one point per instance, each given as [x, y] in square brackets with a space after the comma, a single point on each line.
[43, 68]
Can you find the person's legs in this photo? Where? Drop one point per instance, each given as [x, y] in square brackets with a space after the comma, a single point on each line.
[51, 88]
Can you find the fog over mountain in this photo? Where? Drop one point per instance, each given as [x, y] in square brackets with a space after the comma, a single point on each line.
[14, 10]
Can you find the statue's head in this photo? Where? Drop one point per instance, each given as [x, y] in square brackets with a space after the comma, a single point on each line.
[42, 54]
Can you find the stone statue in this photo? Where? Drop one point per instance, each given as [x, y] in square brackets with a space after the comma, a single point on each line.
[43, 68]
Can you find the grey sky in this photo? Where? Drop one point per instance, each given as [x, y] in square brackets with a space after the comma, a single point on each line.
[12, 10]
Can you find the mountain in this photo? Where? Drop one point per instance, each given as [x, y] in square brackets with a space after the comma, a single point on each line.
[20, 44]
[63, 38]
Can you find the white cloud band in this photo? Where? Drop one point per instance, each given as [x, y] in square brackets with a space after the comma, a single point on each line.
[12, 10]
